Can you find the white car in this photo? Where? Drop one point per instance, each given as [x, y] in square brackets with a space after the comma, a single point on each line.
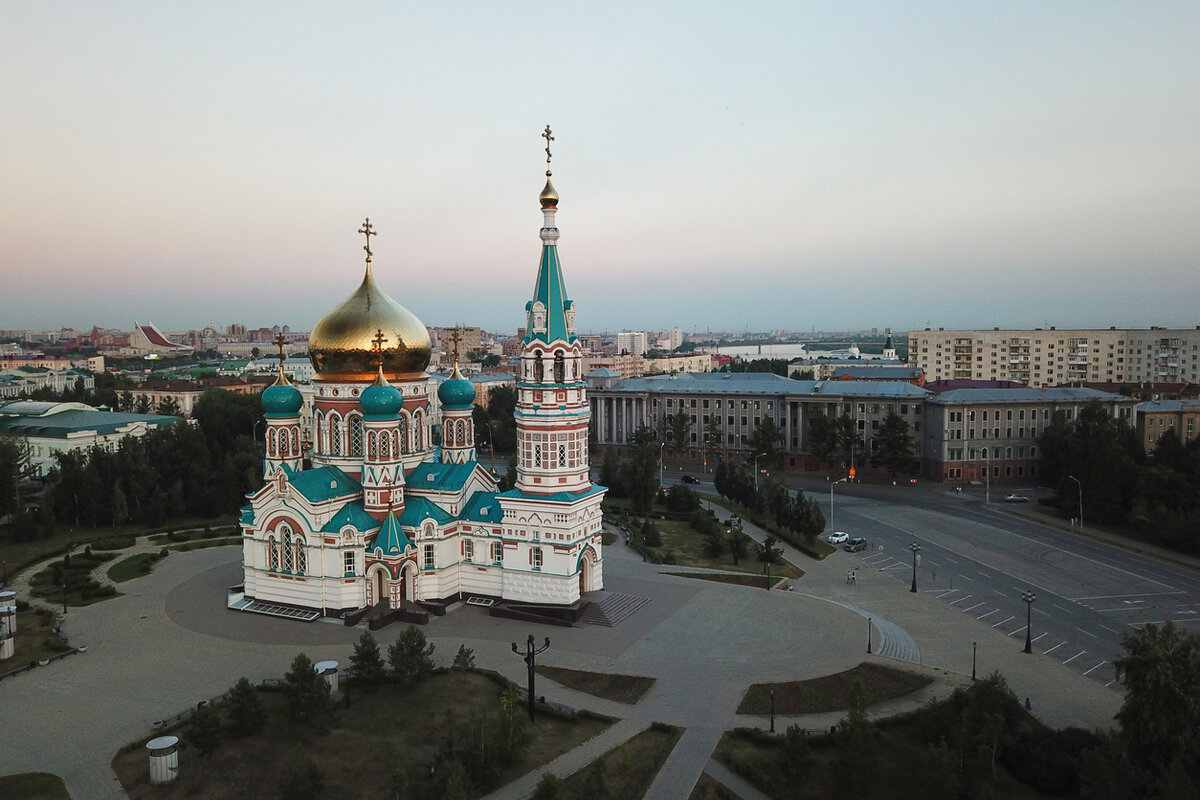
[1016, 498]
[837, 537]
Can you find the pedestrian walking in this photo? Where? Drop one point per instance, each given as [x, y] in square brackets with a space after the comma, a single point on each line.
[854, 577]
[848, 574]
[1028, 705]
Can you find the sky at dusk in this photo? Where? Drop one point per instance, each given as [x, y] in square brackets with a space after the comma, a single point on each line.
[723, 166]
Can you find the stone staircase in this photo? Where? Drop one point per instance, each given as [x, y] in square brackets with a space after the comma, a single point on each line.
[610, 608]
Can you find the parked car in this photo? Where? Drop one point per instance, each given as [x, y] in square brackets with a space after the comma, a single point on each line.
[690, 479]
[837, 537]
[1016, 498]
[855, 545]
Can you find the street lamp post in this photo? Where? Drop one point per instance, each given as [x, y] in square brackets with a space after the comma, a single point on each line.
[756, 458]
[531, 652]
[1028, 597]
[835, 483]
[1079, 486]
[660, 464]
[974, 645]
[987, 476]
[772, 710]
[868, 636]
[64, 595]
[915, 548]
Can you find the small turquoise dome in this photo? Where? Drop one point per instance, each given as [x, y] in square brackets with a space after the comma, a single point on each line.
[456, 391]
[381, 399]
[281, 399]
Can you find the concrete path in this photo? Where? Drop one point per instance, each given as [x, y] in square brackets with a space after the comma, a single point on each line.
[169, 642]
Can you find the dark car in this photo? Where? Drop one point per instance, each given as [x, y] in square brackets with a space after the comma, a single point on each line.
[855, 545]
[690, 479]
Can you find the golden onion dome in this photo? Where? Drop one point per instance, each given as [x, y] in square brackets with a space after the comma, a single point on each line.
[342, 345]
[549, 196]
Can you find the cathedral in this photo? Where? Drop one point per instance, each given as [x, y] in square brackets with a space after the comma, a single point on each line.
[384, 518]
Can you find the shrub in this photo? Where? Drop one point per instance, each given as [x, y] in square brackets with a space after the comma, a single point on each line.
[650, 534]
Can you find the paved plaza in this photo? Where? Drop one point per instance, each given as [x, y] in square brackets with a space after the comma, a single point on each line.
[169, 642]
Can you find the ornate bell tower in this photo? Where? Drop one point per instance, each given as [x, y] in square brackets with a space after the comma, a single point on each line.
[552, 411]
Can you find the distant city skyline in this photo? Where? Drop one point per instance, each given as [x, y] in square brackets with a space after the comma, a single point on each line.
[764, 166]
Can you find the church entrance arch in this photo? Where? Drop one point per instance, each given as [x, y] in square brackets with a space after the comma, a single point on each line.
[377, 585]
[587, 570]
[408, 582]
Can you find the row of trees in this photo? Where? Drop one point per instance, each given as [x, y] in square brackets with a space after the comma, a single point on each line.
[202, 470]
[1155, 495]
[838, 438]
[792, 511]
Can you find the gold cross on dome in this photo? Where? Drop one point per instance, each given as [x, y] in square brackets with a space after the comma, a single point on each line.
[367, 231]
[454, 343]
[377, 344]
[549, 138]
[280, 342]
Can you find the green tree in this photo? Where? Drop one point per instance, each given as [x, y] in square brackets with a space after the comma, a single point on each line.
[464, 659]
[204, 729]
[126, 403]
[822, 441]
[610, 473]
[856, 760]
[765, 438]
[676, 429]
[549, 787]
[366, 661]
[894, 446]
[168, 407]
[143, 405]
[245, 708]
[795, 754]
[300, 778]
[1099, 451]
[714, 438]
[1160, 716]
[639, 475]
[16, 465]
[849, 441]
[411, 656]
[309, 703]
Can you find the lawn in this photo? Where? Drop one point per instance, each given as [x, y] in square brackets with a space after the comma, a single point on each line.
[818, 549]
[33, 786]
[686, 545]
[622, 688]
[832, 692]
[75, 570]
[132, 567]
[627, 770]
[34, 641]
[387, 737]
[933, 752]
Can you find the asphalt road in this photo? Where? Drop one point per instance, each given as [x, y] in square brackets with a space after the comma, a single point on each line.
[979, 557]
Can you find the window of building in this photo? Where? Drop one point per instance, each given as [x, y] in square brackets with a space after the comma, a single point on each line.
[348, 563]
[428, 556]
[356, 435]
[272, 554]
[537, 558]
[497, 552]
[468, 549]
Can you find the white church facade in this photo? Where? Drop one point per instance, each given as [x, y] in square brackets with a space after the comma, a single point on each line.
[383, 518]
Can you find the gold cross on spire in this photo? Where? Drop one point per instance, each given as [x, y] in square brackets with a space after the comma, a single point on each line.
[377, 344]
[280, 342]
[454, 343]
[367, 231]
[549, 138]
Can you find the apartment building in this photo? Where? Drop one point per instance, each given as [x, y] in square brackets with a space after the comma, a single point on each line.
[1057, 357]
[1156, 417]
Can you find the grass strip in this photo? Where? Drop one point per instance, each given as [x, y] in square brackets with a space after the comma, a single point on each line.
[832, 692]
[622, 688]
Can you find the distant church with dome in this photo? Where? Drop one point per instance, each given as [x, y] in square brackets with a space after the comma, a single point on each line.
[384, 518]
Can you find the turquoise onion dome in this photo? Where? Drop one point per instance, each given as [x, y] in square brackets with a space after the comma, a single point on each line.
[456, 391]
[281, 399]
[381, 399]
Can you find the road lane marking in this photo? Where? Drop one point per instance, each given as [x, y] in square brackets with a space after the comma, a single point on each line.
[984, 574]
[997, 591]
[1019, 630]
[988, 614]
[964, 577]
[1047, 633]
[1093, 669]
[959, 600]
[972, 608]
[1039, 611]
[1110, 630]
[1001, 622]
[1135, 594]
[1085, 633]
[1060, 608]
[943, 594]
[1072, 658]
[1052, 649]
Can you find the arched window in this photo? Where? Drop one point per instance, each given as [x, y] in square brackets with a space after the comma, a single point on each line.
[301, 555]
[270, 442]
[402, 431]
[289, 560]
[272, 554]
[384, 450]
[295, 440]
[335, 436]
[538, 373]
[356, 435]
[560, 368]
[1033, 451]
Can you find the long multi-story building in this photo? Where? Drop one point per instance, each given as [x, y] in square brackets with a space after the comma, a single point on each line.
[1056, 357]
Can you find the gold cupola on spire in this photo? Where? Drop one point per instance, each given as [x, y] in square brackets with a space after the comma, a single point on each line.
[342, 346]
